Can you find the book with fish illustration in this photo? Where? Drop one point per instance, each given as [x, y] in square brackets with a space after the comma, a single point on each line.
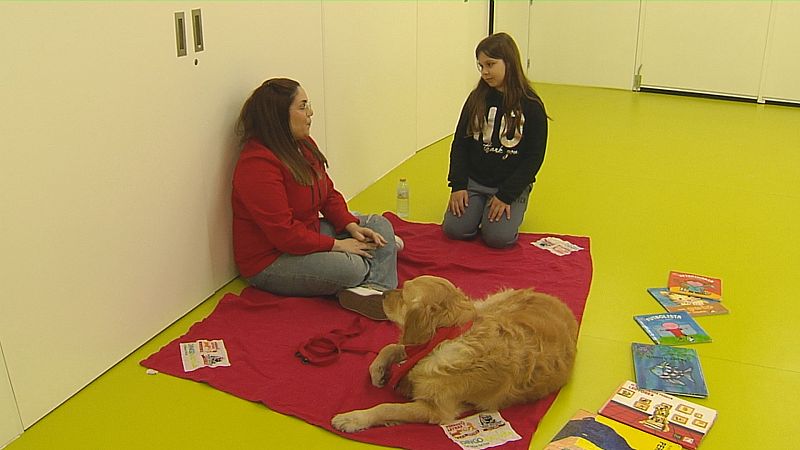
[674, 370]
[663, 415]
[695, 285]
[676, 328]
[593, 431]
[695, 306]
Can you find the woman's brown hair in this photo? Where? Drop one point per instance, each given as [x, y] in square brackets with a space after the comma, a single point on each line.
[516, 85]
[265, 118]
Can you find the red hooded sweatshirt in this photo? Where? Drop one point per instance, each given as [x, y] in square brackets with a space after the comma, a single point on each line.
[273, 214]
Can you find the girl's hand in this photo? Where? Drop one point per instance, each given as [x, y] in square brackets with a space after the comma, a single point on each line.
[498, 209]
[354, 246]
[459, 200]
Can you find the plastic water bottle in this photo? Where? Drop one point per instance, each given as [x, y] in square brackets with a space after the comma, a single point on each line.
[402, 198]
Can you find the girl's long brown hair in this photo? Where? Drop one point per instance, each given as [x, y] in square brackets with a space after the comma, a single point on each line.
[516, 85]
[265, 118]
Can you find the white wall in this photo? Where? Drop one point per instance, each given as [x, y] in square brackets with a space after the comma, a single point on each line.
[448, 33]
[370, 88]
[10, 424]
[117, 155]
[583, 43]
[384, 60]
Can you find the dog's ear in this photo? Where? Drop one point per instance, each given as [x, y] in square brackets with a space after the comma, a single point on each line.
[419, 325]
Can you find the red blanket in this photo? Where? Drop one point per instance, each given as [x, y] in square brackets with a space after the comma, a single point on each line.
[262, 333]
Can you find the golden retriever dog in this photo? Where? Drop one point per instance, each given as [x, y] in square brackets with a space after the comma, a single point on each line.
[520, 347]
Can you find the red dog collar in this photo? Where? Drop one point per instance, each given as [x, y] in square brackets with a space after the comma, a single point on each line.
[414, 353]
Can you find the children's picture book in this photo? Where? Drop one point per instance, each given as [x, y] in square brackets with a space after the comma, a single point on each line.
[592, 431]
[695, 285]
[695, 306]
[677, 328]
[660, 414]
[674, 370]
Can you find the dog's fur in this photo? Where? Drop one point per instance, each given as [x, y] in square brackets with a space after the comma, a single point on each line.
[520, 348]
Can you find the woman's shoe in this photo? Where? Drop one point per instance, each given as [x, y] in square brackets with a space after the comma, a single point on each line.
[365, 301]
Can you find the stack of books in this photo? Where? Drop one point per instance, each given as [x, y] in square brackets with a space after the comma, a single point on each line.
[635, 418]
[665, 367]
[697, 295]
[647, 414]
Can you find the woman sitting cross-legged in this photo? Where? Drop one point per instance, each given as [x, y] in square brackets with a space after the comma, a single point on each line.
[280, 190]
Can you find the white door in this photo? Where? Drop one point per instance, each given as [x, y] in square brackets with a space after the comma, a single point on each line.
[10, 423]
[781, 63]
[583, 43]
[712, 47]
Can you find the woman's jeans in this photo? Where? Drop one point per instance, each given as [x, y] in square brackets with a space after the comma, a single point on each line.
[475, 218]
[326, 273]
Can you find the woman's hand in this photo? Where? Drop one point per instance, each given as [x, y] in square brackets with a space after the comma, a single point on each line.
[498, 209]
[459, 200]
[363, 234]
[354, 246]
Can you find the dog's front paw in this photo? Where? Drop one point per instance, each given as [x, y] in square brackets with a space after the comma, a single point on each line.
[379, 374]
[351, 421]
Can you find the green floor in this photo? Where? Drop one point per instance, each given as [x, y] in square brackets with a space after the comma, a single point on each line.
[658, 182]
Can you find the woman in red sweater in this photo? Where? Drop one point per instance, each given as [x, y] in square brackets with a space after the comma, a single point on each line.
[292, 232]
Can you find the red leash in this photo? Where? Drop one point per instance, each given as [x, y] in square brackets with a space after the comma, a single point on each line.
[325, 349]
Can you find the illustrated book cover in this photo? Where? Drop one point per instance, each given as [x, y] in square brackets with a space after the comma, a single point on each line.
[677, 328]
[587, 431]
[663, 415]
[674, 370]
[695, 285]
[695, 306]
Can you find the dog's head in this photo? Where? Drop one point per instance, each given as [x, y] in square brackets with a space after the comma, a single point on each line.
[425, 304]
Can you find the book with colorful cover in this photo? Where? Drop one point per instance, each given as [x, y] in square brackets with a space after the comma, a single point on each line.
[695, 285]
[587, 431]
[660, 414]
[674, 370]
[677, 328]
[695, 306]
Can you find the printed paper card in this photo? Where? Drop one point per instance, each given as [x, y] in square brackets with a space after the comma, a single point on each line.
[203, 353]
[482, 430]
[556, 246]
